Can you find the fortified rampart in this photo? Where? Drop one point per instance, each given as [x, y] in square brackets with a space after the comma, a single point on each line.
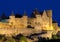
[40, 21]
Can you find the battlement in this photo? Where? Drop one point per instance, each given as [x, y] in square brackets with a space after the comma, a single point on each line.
[41, 21]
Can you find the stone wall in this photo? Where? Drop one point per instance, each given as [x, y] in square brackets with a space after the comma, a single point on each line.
[16, 31]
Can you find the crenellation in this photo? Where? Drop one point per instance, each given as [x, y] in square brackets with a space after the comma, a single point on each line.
[19, 25]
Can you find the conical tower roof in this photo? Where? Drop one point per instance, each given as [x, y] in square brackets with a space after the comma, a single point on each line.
[44, 12]
[12, 14]
[3, 16]
[36, 11]
[25, 13]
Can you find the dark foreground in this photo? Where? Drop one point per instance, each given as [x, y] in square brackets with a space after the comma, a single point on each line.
[21, 38]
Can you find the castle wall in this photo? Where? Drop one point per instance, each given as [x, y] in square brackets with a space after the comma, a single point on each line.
[19, 25]
[16, 31]
[18, 22]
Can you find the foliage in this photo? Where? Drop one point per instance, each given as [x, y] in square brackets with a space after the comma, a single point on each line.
[10, 40]
[55, 37]
[19, 38]
[2, 38]
[23, 39]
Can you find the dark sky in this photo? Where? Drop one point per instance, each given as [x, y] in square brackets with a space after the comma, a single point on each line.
[18, 6]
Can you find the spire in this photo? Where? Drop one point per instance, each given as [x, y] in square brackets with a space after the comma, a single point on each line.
[12, 14]
[25, 13]
[3, 16]
[44, 12]
[36, 11]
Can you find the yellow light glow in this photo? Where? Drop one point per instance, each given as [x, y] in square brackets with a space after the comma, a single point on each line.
[50, 28]
[47, 27]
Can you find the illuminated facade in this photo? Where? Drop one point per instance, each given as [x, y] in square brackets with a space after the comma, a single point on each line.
[41, 21]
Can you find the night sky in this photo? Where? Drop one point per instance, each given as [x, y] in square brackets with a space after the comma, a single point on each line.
[19, 6]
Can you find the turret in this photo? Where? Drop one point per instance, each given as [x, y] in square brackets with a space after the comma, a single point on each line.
[49, 14]
[24, 13]
[37, 20]
[12, 19]
[25, 19]
[36, 13]
[12, 15]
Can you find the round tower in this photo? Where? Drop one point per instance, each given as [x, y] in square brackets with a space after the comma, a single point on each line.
[12, 19]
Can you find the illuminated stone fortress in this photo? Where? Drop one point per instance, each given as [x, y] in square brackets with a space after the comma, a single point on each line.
[39, 22]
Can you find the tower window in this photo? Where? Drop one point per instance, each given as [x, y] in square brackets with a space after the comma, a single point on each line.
[29, 22]
[12, 23]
